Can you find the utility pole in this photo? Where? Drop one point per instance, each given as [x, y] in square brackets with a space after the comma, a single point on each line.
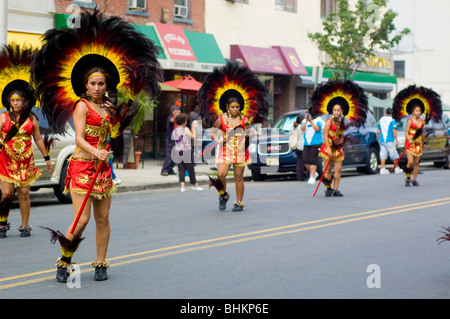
[3, 21]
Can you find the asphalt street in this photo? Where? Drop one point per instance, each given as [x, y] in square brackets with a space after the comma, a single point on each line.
[376, 242]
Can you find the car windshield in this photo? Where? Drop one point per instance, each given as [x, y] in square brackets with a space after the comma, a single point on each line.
[286, 123]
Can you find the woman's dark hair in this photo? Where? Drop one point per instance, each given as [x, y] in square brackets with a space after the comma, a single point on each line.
[234, 99]
[181, 118]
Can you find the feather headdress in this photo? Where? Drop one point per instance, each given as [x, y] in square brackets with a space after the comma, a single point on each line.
[347, 94]
[228, 81]
[428, 100]
[15, 61]
[111, 43]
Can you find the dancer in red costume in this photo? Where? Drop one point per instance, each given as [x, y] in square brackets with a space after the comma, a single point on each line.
[18, 127]
[78, 72]
[346, 102]
[231, 98]
[415, 101]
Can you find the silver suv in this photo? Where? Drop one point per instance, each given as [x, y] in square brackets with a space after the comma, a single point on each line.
[61, 149]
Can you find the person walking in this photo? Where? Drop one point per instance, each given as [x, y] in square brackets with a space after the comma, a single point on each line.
[416, 102]
[182, 151]
[387, 132]
[168, 165]
[19, 127]
[297, 135]
[347, 104]
[76, 72]
[17, 167]
[231, 98]
[313, 137]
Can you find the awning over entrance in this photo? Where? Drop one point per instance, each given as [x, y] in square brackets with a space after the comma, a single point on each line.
[178, 49]
[275, 60]
[188, 50]
[369, 81]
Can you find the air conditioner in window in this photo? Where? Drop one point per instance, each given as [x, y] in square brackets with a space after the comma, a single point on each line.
[136, 4]
[180, 11]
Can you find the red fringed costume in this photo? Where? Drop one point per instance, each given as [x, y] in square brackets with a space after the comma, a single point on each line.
[81, 170]
[233, 150]
[16, 157]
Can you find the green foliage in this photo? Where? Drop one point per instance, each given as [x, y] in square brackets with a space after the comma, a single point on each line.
[146, 106]
[349, 36]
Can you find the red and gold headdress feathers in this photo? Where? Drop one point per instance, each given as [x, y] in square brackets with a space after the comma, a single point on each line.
[15, 61]
[347, 94]
[428, 100]
[113, 44]
[228, 81]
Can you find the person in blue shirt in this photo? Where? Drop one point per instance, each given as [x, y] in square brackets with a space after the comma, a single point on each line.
[387, 130]
[313, 139]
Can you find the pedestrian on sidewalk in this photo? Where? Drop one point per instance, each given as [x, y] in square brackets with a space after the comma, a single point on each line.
[313, 137]
[387, 132]
[17, 166]
[168, 165]
[182, 153]
[297, 136]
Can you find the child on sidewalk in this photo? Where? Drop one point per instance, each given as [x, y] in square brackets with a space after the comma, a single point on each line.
[182, 151]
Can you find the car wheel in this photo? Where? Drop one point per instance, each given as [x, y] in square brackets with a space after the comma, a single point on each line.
[257, 176]
[372, 162]
[59, 189]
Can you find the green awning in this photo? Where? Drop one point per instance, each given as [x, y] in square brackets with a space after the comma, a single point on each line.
[149, 32]
[205, 47]
[361, 76]
[376, 102]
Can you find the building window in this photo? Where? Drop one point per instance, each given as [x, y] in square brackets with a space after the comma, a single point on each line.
[286, 5]
[327, 7]
[399, 69]
[181, 9]
[137, 5]
[84, 3]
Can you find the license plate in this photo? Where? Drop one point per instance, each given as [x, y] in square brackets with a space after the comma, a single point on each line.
[436, 143]
[272, 161]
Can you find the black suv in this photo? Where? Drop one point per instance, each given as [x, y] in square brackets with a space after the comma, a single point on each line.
[271, 154]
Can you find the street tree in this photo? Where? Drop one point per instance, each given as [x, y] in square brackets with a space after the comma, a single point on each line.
[350, 36]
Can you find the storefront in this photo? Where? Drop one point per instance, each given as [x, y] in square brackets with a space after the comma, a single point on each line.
[278, 67]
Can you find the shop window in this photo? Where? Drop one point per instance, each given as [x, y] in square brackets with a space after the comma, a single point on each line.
[327, 7]
[286, 5]
[181, 9]
[399, 69]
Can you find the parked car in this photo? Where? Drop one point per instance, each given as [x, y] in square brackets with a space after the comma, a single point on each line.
[271, 154]
[62, 148]
[437, 142]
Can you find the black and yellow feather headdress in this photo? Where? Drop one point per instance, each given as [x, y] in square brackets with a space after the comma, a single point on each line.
[347, 94]
[428, 100]
[233, 80]
[111, 43]
[15, 61]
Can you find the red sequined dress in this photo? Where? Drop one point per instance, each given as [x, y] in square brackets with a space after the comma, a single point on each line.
[334, 134]
[233, 150]
[16, 157]
[81, 170]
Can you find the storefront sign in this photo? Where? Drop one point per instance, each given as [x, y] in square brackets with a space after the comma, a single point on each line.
[175, 42]
[378, 62]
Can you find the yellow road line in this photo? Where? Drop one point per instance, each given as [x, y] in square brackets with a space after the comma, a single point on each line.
[239, 238]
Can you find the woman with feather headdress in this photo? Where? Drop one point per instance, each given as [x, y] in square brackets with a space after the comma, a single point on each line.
[19, 126]
[415, 101]
[76, 72]
[232, 98]
[346, 102]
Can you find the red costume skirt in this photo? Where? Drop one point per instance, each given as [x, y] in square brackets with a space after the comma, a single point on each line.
[80, 174]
